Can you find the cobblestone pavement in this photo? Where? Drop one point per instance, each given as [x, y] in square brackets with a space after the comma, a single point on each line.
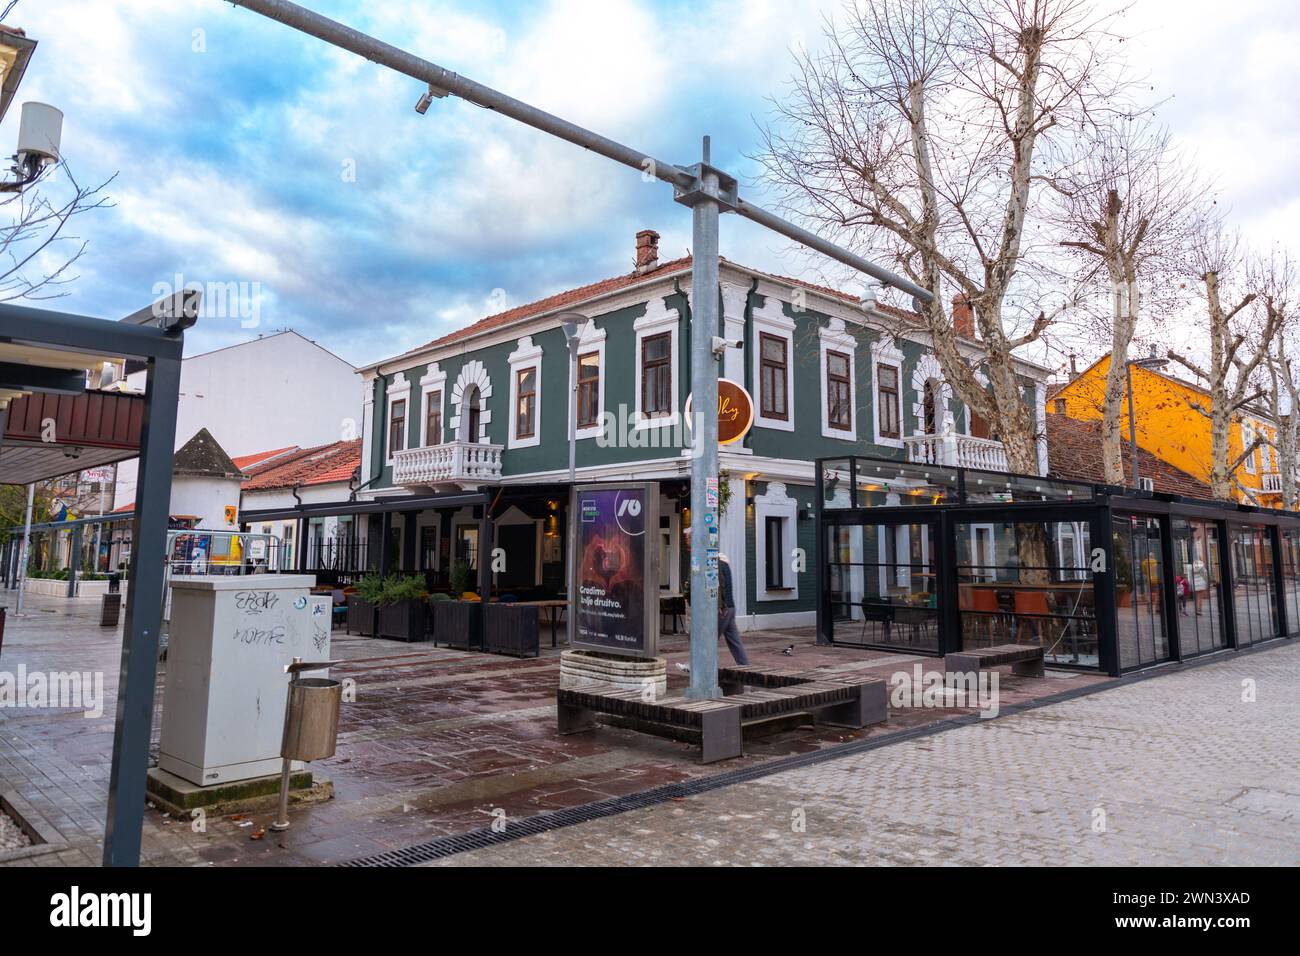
[437, 742]
[1173, 770]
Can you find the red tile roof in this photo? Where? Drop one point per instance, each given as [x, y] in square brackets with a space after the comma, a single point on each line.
[244, 462]
[614, 284]
[1074, 450]
[306, 466]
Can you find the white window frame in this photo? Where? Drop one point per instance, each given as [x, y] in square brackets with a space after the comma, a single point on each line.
[399, 390]
[658, 319]
[592, 339]
[525, 356]
[435, 380]
[775, 502]
[833, 337]
[885, 353]
[771, 320]
[1248, 435]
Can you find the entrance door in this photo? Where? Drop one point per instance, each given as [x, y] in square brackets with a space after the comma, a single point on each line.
[519, 542]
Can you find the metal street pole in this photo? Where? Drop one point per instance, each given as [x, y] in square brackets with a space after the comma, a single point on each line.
[572, 332]
[22, 554]
[705, 493]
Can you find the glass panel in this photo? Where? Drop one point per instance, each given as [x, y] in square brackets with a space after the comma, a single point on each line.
[1291, 577]
[882, 584]
[835, 483]
[1197, 584]
[989, 486]
[1254, 593]
[894, 483]
[1139, 591]
[1028, 583]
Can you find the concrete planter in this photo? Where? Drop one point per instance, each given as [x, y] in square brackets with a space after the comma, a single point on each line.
[590, 670]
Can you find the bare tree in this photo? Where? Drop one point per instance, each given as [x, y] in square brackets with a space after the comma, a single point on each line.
[1277, 289]
[926, 132]
[36, 250]
[1131, 208]
[1239, 340]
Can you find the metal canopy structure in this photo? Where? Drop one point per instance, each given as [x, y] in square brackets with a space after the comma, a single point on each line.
[42, 349]
[702, 187]
[931, 560]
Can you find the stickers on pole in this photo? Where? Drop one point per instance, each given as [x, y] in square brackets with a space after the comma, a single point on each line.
[711, 494]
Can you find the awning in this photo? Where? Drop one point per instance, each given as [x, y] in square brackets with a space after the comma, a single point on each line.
[88, 430]
[376, 506]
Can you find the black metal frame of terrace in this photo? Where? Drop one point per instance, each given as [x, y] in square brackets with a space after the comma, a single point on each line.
[930, 559]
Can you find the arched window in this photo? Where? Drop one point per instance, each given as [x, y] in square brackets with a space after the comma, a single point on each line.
[470, 417]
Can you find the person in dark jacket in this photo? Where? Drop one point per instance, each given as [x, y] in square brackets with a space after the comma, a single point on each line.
[727, 609]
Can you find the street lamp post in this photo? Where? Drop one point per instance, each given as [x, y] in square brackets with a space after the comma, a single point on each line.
[1151, 362]
[573, 324]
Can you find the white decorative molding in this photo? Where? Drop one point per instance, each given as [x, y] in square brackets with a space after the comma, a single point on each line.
[591, 339]
[434, 380]
[775, 503]
[731, 327]
[399, 390]
[834, 337]
[525, 356]
[658, 319]
[927, 369]
[772, 320]
[885, 352]
[367, 425]
[472, 375]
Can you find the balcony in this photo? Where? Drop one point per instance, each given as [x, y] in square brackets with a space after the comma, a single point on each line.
[1272, 483]
[960, 451]
[458, 462]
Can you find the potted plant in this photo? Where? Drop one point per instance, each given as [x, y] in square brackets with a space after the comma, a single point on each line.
[458, 622]
[401, 604]
[361, 604]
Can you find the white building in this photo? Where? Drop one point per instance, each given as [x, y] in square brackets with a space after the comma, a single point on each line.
[276, 391]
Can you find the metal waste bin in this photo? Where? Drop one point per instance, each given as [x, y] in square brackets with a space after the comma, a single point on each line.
[110, 609]
[311, 720]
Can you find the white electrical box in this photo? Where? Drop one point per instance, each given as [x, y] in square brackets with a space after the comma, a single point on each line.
[230, 639]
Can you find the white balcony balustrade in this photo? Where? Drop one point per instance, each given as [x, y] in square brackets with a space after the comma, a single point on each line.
[1272, 483]
[461, 462]
[959, 451]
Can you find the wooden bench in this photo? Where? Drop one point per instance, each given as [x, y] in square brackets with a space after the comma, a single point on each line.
[716, 725]
[1025, 659]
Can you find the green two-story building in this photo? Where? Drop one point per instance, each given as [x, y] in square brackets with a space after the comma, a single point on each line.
[487, 408]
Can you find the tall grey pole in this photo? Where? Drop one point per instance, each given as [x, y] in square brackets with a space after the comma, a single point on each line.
[705, 494]
[22, 554]
[1132, 423]
[571, 532]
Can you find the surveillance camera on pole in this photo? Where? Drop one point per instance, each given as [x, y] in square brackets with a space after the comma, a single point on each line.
[39, 132]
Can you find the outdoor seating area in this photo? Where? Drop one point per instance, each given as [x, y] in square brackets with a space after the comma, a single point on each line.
[940, 560]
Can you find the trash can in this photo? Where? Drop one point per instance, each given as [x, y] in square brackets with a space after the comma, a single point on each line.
[311, 721]
[110, 609]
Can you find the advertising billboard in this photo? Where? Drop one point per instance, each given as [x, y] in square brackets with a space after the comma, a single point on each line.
[617, 586]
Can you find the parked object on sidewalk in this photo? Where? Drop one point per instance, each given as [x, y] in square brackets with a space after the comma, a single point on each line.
[360, 615]
[110, 609]
[311, 724]
[511, 629]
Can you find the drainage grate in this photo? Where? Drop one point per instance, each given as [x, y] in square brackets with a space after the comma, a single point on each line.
[443, 847]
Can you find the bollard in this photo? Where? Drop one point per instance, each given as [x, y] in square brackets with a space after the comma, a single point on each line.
[311, 724]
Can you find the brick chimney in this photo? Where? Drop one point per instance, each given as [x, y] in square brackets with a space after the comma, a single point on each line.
[647, 250]
[963, 316]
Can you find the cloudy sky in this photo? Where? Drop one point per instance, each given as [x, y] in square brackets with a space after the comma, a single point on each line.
[245, 152]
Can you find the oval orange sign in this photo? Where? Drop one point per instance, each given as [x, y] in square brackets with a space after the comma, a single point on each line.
[735, 411]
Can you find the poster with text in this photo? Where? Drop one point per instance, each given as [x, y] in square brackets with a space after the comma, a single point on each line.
[618, 579]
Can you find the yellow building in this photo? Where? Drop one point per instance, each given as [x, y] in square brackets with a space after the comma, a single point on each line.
[1170, 427]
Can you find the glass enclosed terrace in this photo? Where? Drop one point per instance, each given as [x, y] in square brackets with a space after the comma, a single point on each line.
[929, 559]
